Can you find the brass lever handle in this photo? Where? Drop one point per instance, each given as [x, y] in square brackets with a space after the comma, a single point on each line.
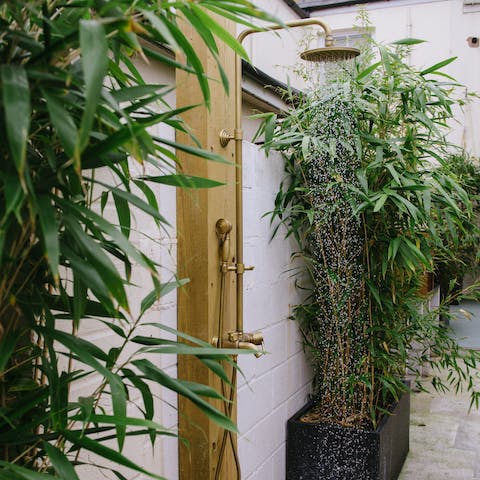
[223, 228]
[239, 268]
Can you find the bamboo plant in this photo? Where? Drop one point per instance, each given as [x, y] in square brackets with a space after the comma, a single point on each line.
[75, 122]
[375, 208]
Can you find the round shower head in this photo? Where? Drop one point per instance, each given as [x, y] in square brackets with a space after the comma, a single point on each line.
[330, 54]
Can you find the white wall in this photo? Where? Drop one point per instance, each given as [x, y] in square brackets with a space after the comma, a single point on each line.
[445, 26]
[276, 52]
[277, 384]
[160, 246]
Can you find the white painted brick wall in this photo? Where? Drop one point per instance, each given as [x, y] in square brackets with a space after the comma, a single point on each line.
[277, 384]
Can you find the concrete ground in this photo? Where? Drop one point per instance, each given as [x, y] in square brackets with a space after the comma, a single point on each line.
[444, 439]
[444, 436]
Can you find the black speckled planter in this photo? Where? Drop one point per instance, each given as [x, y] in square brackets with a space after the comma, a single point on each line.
[320, 451]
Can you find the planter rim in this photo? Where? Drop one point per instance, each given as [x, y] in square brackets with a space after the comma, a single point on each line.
[296, 416]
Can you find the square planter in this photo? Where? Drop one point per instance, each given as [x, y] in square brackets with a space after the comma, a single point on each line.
[322, 451]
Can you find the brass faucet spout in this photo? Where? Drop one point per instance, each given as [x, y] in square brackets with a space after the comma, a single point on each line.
[241, 340]
[250, 346]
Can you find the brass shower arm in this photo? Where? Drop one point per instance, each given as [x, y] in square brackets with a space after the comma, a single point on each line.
[238, 134]
[297, 23]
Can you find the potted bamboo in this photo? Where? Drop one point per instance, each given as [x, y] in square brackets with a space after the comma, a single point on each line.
[363, 200]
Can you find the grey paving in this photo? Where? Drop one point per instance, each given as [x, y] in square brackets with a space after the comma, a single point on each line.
[444, 435]
[444, 439]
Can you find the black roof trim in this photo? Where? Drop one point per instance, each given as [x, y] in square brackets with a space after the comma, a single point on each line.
[296, 8]
[266, 80]
[260, 76]
[312, 5]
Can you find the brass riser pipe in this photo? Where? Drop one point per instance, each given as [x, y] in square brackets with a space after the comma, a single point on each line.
[238, 137]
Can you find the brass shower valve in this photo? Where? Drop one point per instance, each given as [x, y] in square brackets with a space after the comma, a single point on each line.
[256, 338]
[223, 228]
[241, 340]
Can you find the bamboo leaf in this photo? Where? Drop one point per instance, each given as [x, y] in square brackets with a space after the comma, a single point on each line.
[88, 353]
[80, 299]
[130, 94]
[49, 227]
[103, 451]
[132, 199]
[203, 390]
[153, 373]
[60, 462]
[438, 66]
[16, 102]
[393, 247]
[104, 267]
[191, 58]
[8, 341]
[198, 152]
[14, 196]
[146, 393]
[21, 473]
[368, 70]
[227, 38]
[408, 41]
[159, 23]
[157, 293]
[149, 195]
[87, 215]
[127, 421]
[63, 122]
[94, 51]
[123, 213]
[380, 202]
[184, 181]
[184, 349]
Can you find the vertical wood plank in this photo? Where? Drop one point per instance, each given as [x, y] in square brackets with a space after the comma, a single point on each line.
[198, 254]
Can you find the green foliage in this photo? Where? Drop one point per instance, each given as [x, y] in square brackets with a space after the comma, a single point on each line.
[464, 244]
[75, 118]
[402, 195]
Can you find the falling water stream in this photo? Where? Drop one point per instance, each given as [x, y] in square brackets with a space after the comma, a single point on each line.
[338, 330]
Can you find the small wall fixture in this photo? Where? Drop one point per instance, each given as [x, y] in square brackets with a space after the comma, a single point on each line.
[473, 42]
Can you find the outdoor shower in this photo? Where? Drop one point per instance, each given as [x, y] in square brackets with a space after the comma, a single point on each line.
[238, 338]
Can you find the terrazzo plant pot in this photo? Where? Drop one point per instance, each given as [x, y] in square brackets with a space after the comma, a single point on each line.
[321, 451]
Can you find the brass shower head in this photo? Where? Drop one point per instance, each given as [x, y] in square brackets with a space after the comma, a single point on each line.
[330, 54]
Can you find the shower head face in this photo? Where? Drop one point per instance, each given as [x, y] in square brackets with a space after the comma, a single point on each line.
[330, 54]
